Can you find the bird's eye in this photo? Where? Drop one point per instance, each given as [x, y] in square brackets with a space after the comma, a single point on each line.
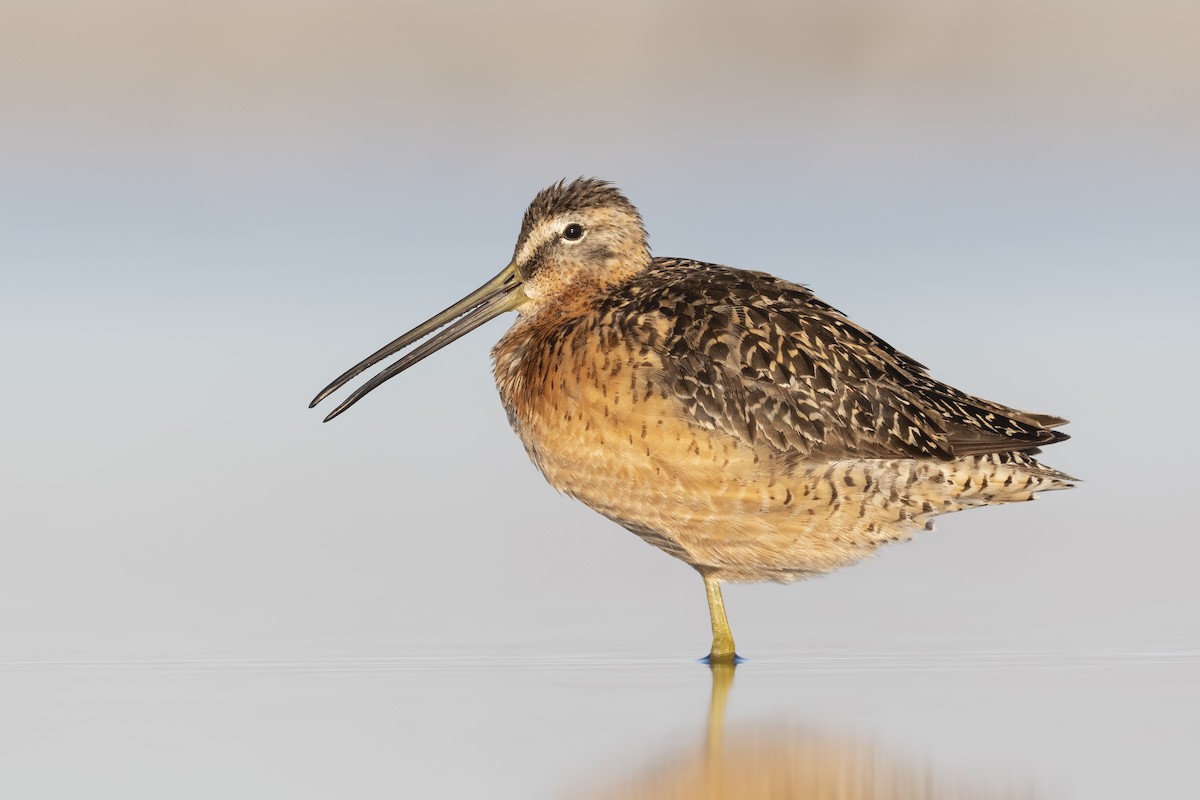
[573, 232]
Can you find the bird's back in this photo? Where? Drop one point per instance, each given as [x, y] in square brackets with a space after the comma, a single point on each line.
[765, 360]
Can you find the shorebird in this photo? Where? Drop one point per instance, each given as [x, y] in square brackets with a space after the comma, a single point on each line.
[729, 418]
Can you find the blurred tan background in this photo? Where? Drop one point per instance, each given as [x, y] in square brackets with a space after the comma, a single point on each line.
[154, 59]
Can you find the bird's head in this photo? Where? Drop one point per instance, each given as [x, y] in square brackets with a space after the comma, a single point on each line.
[576, 238]
[583, 233]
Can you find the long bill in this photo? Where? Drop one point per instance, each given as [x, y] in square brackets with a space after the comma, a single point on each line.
[502, 293]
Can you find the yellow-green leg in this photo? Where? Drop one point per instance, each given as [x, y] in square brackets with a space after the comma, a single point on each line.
[722, 646]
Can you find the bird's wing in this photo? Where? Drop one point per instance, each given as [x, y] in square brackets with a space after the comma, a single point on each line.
[765, 361]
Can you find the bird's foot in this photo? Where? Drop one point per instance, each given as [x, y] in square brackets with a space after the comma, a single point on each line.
[722, 659]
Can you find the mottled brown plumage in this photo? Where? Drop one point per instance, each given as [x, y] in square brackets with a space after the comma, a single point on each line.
[730, 418]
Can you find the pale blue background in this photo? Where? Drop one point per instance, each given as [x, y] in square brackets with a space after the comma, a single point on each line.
[209, 210]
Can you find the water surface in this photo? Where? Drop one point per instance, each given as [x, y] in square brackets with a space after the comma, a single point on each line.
[460, 724]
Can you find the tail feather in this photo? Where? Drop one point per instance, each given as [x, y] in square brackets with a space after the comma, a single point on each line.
[990, 479]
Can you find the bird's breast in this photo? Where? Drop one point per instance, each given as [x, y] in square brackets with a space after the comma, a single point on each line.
[589, 406]
[575, 392]
[596, 418]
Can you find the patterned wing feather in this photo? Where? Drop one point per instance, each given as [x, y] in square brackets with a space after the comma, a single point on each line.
[764, 360]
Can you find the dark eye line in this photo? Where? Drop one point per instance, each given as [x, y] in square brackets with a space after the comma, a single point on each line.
[537, 260]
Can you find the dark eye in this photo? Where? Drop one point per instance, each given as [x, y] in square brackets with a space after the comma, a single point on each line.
[573, 232]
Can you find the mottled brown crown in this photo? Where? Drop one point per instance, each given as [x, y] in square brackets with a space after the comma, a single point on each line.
[564, 198]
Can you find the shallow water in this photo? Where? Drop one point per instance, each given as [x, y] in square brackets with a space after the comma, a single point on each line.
[460, 724]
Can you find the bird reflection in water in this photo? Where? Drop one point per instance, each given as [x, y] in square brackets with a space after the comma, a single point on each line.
[755, 762]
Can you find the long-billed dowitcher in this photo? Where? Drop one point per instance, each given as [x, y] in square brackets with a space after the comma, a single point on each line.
[729, 418]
